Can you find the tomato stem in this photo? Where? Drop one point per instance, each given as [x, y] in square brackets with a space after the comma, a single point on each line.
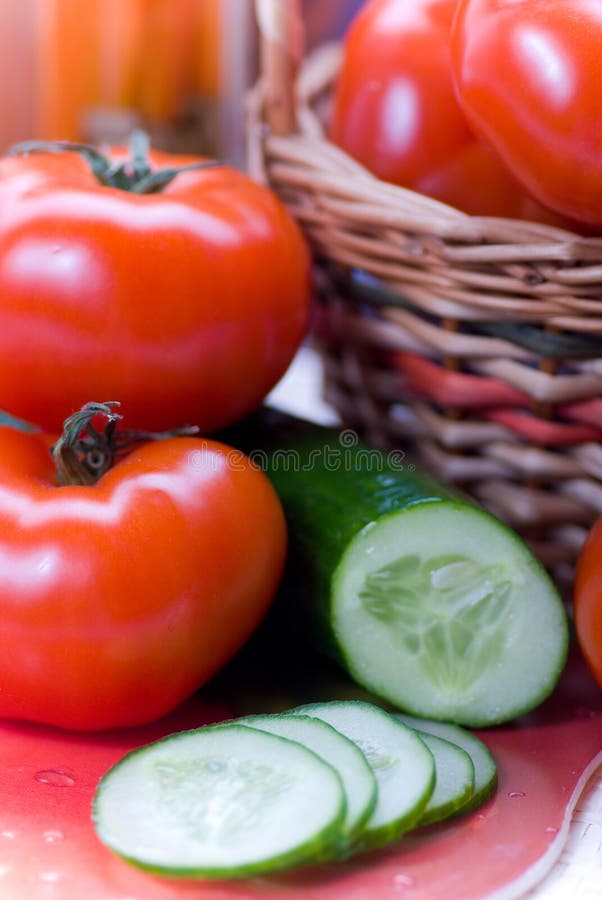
[83, 454]
[134, 174]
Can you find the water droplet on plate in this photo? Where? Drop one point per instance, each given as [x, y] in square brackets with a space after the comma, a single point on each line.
[403, 881]
[583, 712]
[552, 830]
[52, 836]
[9, 835]
[478, 820]
[57, 777]
[516, 795]
[49, 876]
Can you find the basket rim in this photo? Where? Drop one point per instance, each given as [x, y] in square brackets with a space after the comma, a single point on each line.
[309, 152]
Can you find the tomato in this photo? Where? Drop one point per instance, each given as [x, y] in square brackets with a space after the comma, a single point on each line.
[528, 74]
[185, 304]
[119, 599]
[395, 111]
[588, 600]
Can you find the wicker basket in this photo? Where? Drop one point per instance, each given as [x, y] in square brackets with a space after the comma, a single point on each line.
[473, 343]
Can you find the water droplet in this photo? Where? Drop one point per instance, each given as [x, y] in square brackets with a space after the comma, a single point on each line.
[583, 712]
[516, 795]
[57, 777]
[9, 835]
[478, 820]
[403, 881]
[49, 876]
[552, 830]
[52, 836]
[4, 870]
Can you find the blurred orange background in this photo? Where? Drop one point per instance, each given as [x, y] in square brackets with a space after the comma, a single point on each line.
[92, 70]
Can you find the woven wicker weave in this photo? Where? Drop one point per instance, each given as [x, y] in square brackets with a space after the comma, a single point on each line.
[473, 343]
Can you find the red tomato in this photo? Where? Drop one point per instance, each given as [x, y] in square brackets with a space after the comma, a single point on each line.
[118, 600]
[588, 601]
[396, 112]
[528, 75]
[185, 305]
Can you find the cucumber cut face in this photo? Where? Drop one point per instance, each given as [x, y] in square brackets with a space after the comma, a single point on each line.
[222, 801]
[338, 751]
[454, 780]
[443, 611]
[485, 768]
[402, 764]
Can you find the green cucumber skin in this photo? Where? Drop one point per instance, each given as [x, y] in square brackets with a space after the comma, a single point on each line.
[325, 508]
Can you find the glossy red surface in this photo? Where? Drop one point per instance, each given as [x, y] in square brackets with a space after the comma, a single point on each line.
[396, 112]
[185, 305]
[527, 76]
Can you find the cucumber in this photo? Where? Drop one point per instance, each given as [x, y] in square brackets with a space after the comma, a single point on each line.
[222, 801]
[359, 783]
[485, 768]
[402, 764]
[428, 601]
[454, 780]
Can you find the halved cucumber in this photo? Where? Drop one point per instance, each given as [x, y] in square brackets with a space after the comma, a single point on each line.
[454, 780]
[221, 801]
[402, 764]
[342, 754]
[485, 768]
[426, 600]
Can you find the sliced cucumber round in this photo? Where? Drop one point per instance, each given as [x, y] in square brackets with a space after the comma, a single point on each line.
[402, 764]
[454, 780]
[485, 768]
[444, 612]
[222, 801]
[342, 754]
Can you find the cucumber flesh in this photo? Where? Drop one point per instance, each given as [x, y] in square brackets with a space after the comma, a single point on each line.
[485, 768]
[454, 783]
[342, 754]
[443, 611]
[402, 764]
[221, 801]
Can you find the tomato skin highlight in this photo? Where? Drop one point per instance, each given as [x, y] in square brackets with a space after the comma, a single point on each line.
[588, 601]
[395, 111]
[186, 305]
[120, 600]
[527, 76]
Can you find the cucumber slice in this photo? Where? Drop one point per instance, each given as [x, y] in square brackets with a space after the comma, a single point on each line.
[222, 801]
[425, 599]
[402, 764]
[342, 754]
[454, 780]
[445, 613]
[485, 768]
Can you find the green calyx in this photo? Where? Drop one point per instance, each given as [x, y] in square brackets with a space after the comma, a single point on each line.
[133, 174]
[83, 453]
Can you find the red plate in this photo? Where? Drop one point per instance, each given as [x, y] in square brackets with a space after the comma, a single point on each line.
[48, 847]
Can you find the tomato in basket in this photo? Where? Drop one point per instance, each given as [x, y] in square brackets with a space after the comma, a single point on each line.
[528, 77]
[396, 112]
